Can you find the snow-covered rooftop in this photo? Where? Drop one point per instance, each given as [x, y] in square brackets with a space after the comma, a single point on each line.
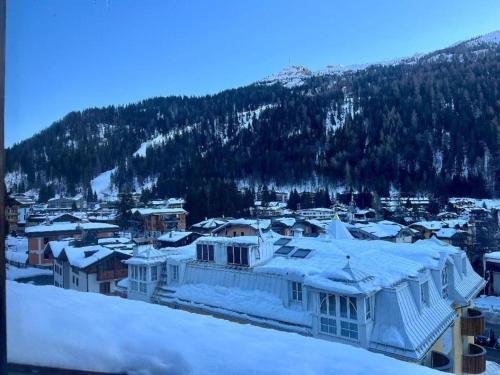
[447, 232]
[158, 340]
[381, 229]
[83, 256]
[146, 255]
[255, 224]
[157, 211]
[209, 223]
[429, 225]
[174, 236]
[67, 227]
[384, 263]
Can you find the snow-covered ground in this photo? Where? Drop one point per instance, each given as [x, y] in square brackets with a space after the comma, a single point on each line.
[102, 185]
[95, 332]
[155, 141]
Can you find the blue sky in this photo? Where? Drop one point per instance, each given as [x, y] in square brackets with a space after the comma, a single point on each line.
[69, 55]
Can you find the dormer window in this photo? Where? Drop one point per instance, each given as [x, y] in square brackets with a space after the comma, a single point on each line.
[444, 282]
[205, 253]
[237, 255]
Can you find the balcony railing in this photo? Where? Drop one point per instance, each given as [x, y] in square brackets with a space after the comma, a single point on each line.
[474, 361]
[472, 322]
[441, 362]
[112, 274]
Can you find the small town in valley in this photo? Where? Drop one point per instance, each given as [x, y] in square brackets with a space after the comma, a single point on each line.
[405, 276]
[249, 187]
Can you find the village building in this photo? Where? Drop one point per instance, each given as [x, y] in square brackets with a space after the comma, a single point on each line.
[363, 216]
[290, 226]
[93, 268]
[383, 230]
[77, 202]
[270, 209]
[316, 213]
[242, 227]
[153, 222]
[207, 226]
[175, 203]
[427, 228]
[455, 237]
[176, 239]
[492, 273]
[410, 301]
[17, 210]
[40, 235]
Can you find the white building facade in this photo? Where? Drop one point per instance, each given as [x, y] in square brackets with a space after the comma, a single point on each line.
[410, 301]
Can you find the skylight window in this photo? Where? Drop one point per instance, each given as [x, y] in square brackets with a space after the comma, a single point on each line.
[301, 253]
[284, 250]
[282, 241]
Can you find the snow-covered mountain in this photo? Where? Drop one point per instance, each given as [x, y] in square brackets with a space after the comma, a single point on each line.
[370, 126]
[291, 76]
[295, 76]
[490, 38]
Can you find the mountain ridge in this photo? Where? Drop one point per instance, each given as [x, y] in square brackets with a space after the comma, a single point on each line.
[331, 128]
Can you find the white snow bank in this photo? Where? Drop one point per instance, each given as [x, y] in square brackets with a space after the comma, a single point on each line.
[15, 273]
[95, 332]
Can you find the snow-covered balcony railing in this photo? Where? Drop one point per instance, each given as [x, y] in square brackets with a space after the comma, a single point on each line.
[472, 322]
[441, 362]
[112, 274]
[20, 369]
[474, 359]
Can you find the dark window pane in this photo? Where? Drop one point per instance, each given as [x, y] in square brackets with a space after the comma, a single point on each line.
[244, 256]
[230, 258]
[198, 252]
[211, 252]
[237, 258]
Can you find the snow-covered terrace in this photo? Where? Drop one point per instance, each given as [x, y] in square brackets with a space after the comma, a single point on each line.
[86, 331]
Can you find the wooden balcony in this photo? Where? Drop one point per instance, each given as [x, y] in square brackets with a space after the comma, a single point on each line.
[472, 322]
[441, 362]
[112, 274]
[474, 361]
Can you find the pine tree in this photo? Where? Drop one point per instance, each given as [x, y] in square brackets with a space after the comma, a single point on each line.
[125, 204]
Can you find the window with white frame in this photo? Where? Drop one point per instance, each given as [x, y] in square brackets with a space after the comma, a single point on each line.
[154, 273]
[296, 291]
[328, 312]
[424, 293]
[142, 287]
[349, 329]
[349, 317]
[444, 282]
[174, 272]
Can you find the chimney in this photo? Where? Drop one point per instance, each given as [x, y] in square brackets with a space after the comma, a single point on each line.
[298, 232]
